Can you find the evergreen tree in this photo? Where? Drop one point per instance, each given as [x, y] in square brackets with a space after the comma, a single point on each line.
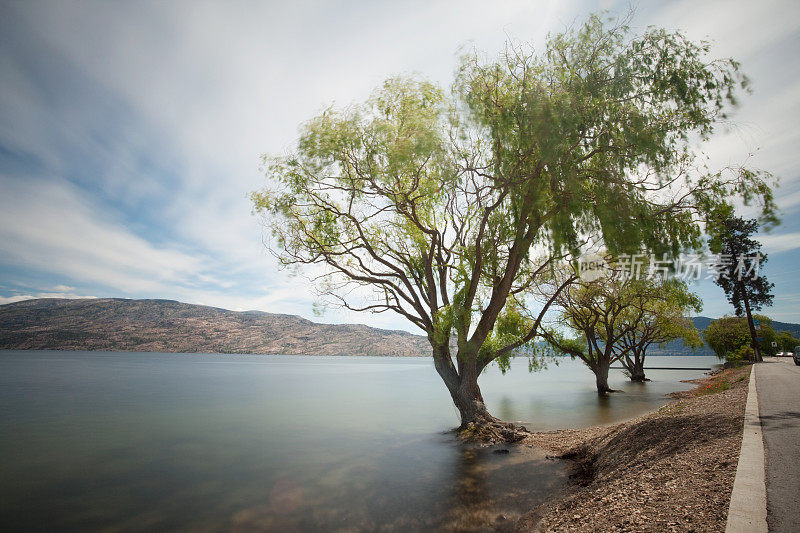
[741, 278]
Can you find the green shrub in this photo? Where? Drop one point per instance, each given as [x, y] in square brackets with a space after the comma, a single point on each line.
[745, 353]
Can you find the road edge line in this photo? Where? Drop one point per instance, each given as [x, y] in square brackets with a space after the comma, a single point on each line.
[747, 510]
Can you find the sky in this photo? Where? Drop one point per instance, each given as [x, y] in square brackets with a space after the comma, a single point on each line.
[131, 132]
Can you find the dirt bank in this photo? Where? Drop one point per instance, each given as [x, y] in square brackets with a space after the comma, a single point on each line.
[671, 470]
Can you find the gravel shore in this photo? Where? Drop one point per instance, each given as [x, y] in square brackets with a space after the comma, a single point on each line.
[671, 470]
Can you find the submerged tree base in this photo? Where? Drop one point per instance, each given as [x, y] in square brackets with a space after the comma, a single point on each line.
[488, 432]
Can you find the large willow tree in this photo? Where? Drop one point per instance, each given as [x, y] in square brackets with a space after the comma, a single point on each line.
[446, 207]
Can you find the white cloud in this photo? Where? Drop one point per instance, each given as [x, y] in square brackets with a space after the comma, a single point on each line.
[790, 201]
[776, 244]
[63, 288]
[16, 298]
[22, 297]
[738, 29]
[49, 226]
[221, 84]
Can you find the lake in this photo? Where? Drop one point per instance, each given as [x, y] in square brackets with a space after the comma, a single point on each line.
[207, 442]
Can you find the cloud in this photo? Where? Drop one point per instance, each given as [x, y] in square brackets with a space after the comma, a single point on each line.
[16, 298]
[135, 128]
[63, 288]
[790, 201]
[739, 29]
[22, 297]
[777, 244]
[50, 226]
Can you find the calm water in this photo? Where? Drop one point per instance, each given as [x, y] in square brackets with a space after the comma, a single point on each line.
[141, 441]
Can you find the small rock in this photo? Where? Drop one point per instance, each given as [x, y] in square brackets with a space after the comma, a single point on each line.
[502, 450]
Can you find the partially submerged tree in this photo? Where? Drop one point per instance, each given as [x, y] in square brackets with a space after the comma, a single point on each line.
[445, 209]
[598, 312]
[658, 311]
[618, 318]
[740, 276]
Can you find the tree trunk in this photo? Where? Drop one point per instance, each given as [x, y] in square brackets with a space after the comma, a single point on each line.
[753, 341]
[635, 367]
[469, 402]
[637, 371]
[600, 370]
[476, 422]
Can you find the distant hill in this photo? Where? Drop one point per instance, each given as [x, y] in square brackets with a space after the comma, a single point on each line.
[701, 323]
[678, 348]
[117, 324]
[168, 326]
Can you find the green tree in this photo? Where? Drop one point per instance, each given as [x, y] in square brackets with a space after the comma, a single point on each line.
[445, 209]
[658, 310]
[730, 335]
[786, 341]
[618, 319]
[598, 312]
[726, 337]
[745, 286]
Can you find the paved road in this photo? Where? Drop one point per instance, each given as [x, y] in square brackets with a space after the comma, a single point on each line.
[778, 384]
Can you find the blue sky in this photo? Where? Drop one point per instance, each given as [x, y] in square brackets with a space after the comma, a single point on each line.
[130, 132]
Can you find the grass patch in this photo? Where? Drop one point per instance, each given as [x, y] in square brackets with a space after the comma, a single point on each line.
[672, 409]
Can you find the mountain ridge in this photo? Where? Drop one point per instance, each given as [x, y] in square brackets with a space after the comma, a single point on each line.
[154, 325]
[157, 325]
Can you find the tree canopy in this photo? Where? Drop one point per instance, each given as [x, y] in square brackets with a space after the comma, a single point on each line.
[659, 310]
[618, 319]
[742, 276]
[730, 337]
[445, 206]
[599, 312]
[786, 341]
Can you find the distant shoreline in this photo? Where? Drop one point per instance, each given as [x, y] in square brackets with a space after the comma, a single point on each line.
[205, 353]
[3, 349]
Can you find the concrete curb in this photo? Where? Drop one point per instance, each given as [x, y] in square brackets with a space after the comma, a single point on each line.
[747, 512]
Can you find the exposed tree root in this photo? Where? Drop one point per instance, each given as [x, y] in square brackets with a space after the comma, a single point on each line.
[494, 431]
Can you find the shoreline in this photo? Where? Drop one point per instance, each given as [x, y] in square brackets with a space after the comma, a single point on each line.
[270, 354]
[669, 470]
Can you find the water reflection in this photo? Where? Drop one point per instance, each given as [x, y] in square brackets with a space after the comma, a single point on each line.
[505, 409]
[479, 490]
[605, 408]
[471, 501]
[492, 490]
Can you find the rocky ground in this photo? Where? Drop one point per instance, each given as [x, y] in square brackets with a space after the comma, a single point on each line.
[671, 470]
